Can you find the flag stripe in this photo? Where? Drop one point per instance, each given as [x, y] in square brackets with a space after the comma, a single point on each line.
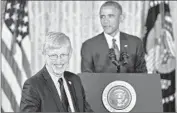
[8, 92]
[11, 79]
[11, 61]
[168, 26]
[18, 58]
[6, 106]
[26, 45]
[6, 36]
[25, 63]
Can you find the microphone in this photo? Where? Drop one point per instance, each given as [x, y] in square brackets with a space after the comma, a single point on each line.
[112, 57]
[124, 55]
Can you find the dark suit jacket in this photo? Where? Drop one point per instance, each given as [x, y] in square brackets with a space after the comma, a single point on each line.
[40, 94]
[94, 55]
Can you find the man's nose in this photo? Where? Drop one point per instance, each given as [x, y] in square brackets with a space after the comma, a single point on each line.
[59, 59]
[106, 20]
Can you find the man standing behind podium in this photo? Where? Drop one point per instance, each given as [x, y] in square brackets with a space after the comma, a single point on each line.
[53, 89]
[112, 51]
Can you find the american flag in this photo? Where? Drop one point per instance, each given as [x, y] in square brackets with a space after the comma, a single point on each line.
[16, 54]
[160, 48]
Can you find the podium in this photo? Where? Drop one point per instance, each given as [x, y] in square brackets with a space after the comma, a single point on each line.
[146, 86]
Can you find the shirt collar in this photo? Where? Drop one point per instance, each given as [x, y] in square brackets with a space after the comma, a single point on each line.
[54, 78]
[109, 38]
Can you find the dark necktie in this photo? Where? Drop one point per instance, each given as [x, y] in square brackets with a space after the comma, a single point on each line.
[63, 94]
[116, 49]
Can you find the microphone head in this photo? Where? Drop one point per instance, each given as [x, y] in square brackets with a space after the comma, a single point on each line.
[112, 57]
[124, 58]
[112, 54]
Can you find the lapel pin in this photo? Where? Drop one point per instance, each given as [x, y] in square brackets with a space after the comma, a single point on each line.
[70, 82]
[125, 45]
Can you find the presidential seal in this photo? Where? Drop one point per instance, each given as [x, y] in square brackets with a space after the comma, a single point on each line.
[119, 96]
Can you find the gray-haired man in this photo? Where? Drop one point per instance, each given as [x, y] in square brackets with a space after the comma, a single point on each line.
[53, 89]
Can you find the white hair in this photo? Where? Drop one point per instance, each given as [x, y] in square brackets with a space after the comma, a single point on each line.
[54, 40]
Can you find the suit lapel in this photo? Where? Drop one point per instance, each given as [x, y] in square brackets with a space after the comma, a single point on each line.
[72, 91]
[50, 85]
[104, 51]
[123, 43]
[124, 47]
[104, 41]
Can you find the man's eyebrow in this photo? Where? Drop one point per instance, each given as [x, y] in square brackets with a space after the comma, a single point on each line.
[111, 14]
[102, 15]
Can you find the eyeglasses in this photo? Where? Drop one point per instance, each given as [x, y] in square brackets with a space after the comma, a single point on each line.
[55, 56]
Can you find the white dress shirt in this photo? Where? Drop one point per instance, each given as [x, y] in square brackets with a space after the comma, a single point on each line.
[109, 39]
[56, 83]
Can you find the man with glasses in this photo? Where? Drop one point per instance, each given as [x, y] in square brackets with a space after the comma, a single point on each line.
[53, 89]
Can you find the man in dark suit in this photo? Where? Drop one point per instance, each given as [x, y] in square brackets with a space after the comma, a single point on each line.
[127, 49]
[53, 89]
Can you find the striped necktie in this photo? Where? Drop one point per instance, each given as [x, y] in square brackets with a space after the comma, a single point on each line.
[116, 49]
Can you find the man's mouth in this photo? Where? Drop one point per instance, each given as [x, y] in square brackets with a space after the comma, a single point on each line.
[107, 27]
[59, 65]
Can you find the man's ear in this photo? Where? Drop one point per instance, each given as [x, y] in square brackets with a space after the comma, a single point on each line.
[70, 54]
[122, 17]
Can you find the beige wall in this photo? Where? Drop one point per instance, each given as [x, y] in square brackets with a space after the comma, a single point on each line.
[79, 20]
